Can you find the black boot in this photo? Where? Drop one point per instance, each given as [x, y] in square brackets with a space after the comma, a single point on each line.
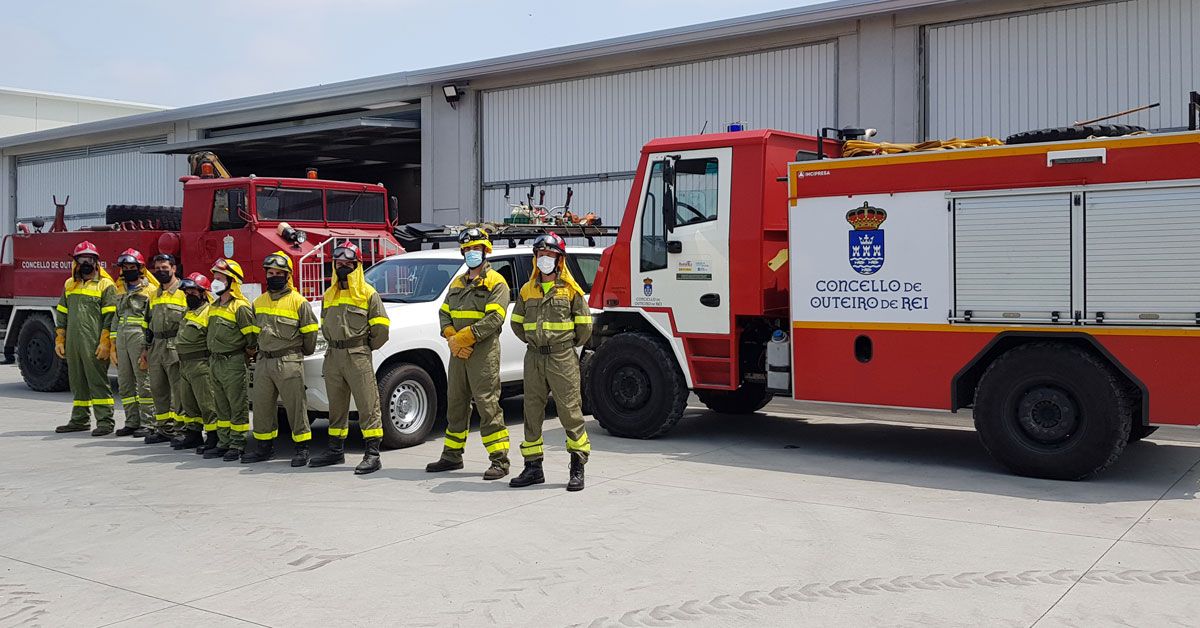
[71, 427]
[232, 455]
[370, 462]
[157, 436]
[530, 476]
[190, 439]
[141, 432]
[443, 465]
[126, 431]
[576, 481]
[263, 451]
[103, 430]
[300, 458]
[335, 454]
[210, 442]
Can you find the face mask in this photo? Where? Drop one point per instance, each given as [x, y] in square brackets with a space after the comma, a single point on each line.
[163, 276]
[275, 284]
[86, 268]
[194, 301]
[343, 272]
[548, 265]
[219, 286]
[474, 259]
[131, 276]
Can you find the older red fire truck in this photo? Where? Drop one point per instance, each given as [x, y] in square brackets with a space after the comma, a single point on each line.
[1051, 286]
[243, 218]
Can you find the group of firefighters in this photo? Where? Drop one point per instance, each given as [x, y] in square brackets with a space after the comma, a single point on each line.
[183, 349]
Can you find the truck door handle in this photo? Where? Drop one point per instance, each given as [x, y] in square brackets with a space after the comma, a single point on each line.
[674, 246]
[711, 299]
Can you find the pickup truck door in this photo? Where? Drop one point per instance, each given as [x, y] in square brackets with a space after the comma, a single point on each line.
[512, 350]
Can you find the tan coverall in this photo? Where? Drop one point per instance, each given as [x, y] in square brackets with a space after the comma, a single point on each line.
[481, 304]
[129, 335]
[287, 331]
[167, 309]
[353, 328]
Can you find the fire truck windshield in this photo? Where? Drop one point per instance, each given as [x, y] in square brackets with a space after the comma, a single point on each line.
[302, 204]
[355, 206]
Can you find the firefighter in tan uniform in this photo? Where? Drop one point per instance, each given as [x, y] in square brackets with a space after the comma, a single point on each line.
[552, 317]
[167, 308]
[287, 331]
[196, 410]
[232, 341]
[134, 291]
[354, 324]
[471, 319]
[83, 339]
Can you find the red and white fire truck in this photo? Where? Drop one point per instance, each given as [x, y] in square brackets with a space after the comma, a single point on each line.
[242, 218]
[1052, 287]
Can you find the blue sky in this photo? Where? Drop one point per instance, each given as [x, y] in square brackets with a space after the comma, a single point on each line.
[176, 52]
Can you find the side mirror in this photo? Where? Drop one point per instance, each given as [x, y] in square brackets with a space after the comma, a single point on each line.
[394, 206]
[669, 193]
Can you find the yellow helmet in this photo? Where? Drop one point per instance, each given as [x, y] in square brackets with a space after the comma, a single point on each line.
[229, 267]
[475, 237]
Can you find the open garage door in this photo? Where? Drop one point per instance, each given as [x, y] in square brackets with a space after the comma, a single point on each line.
[368, 149]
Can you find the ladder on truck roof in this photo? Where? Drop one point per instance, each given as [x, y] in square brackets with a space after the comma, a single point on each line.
[314, 268]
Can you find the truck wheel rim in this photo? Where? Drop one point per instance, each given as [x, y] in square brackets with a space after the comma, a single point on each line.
[1048, 415]
[630, 387]
[38, 354]
[407, 406]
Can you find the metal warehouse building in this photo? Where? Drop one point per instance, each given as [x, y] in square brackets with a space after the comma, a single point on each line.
[577, 116]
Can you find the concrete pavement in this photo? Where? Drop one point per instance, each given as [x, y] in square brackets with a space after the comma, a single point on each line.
[807, 516]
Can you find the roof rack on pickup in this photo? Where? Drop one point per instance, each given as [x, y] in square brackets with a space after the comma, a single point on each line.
[413, 235]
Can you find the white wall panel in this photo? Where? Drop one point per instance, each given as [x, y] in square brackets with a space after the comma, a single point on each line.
[94, 180]
[1050, 68]
[598, 124]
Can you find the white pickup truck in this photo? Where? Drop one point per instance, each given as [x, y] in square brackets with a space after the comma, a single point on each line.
[411, 367]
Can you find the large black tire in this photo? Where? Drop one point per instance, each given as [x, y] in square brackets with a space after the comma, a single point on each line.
[635, 389]
[747, 399]
[409, 403]
[1064, 133]
[154, 216]
[1053, 411]
[40, 367]
[1137, 431]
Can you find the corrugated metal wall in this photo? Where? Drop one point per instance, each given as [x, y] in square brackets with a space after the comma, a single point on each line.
[94, 177]
[596, 125]
[1009, 74]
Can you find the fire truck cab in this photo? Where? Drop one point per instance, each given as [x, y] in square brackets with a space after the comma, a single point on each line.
[242, 218]
[1051, 287]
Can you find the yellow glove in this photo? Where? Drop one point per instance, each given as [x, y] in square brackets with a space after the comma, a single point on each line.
[463, 338]
[448, 331]
[143, 365]
[104, 349]
[464, 352]
[60, 343]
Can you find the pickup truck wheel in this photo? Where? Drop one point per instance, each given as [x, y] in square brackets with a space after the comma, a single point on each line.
[636, 389]
[409, 404]
[747, 399]
[1053, 411]
[40, 367]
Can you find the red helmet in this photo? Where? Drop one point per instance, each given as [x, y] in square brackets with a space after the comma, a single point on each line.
[131, 256]
[196, 280]
[346, 251]
[550, 242]
[86, 248]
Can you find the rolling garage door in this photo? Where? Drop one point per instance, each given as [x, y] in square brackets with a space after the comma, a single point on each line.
[95, 177]
[1050, 68]
[587, 133]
